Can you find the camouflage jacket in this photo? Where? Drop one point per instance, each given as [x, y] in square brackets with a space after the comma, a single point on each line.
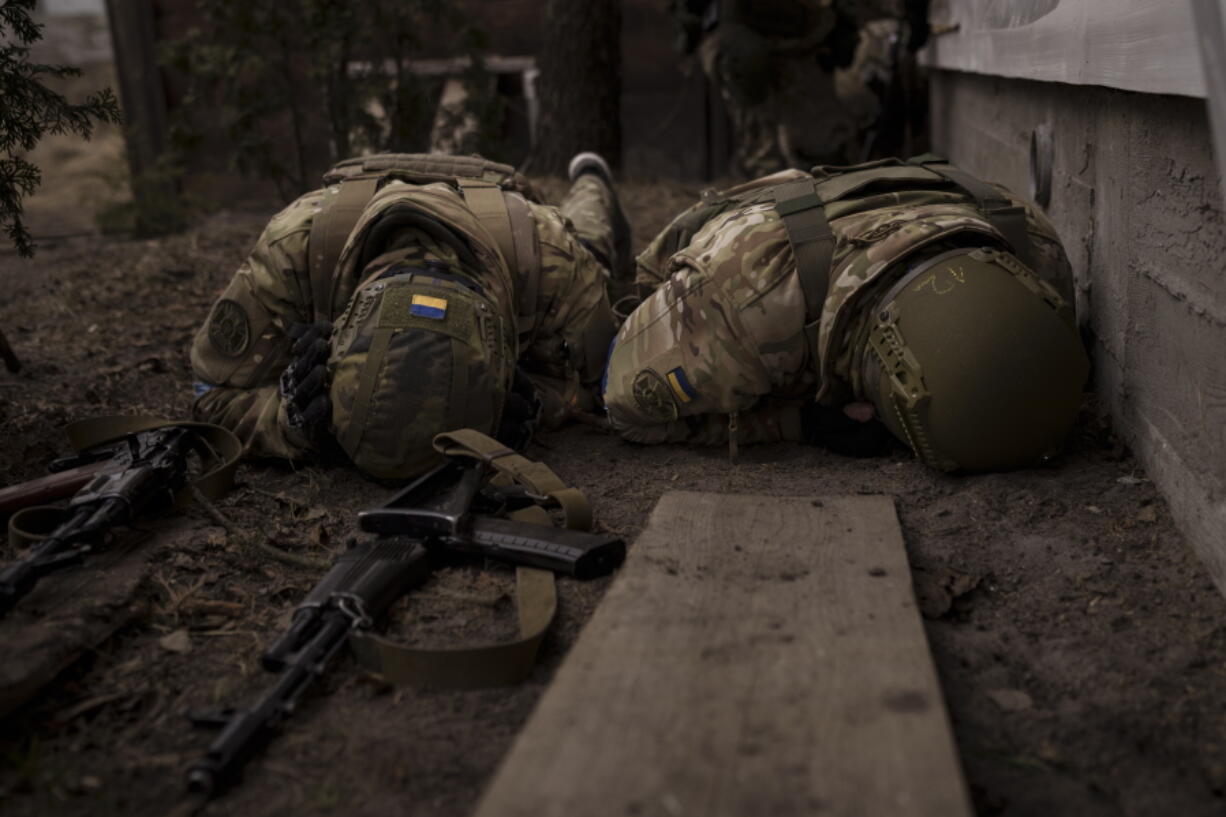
[732, 283]
[240, 351]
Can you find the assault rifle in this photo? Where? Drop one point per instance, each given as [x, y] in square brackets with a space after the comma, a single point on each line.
[146, 469]
[445, 510]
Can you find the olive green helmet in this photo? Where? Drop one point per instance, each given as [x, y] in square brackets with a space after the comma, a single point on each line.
[974, 362]
[417, 352]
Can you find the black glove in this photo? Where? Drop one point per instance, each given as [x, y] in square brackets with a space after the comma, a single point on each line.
[521, 414]
[832, 429]
[304, 383]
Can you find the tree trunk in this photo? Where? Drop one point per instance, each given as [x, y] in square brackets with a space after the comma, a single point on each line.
[580, 83]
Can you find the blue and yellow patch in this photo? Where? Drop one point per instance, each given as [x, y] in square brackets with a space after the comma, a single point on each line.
[681, 385]
[426, 306]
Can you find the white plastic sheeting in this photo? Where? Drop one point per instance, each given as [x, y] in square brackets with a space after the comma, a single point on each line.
[1137, 45]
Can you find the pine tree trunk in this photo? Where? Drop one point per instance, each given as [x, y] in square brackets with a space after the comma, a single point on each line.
[580, 83]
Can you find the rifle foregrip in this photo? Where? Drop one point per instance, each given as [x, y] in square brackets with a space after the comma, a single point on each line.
[574, 553]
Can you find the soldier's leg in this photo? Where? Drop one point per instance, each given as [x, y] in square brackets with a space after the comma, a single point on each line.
[593, 208]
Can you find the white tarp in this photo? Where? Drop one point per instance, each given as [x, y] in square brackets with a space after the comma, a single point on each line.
[1137, 45]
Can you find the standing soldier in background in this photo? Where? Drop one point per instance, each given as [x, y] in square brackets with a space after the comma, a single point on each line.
[412, 295]
[801, 307]
[804, 81]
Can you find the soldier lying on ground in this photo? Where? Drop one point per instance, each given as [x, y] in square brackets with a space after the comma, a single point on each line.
[397, 301]
[800, 307]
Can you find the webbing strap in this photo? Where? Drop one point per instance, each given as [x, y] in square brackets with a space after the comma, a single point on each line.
[499, 664]
[486, 202]
[527, 260]
[508, 220]
[804, 216]
[219, 449]
[1008, 218]
[459, 401]
[379, 341]
[535, 476]
[339, 213]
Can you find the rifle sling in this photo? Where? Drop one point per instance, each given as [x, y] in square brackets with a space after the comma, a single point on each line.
[219, 448]
[535, 476]
[536, 594]
[487, 665]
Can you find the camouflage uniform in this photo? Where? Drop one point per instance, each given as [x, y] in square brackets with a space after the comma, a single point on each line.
[239, 353]
[722, 343]
[793, 78]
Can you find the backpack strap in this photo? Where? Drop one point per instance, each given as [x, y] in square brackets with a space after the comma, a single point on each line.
[509, 221]
[803, 213]
[339, 213]
[1008, 218]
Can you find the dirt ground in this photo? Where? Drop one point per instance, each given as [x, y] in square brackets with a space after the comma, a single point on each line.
[1079, 643]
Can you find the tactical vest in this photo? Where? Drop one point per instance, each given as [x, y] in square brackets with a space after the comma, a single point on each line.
[495, 193]
[806, 202]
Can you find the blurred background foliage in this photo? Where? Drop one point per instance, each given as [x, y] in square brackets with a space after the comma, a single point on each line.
[295, 85]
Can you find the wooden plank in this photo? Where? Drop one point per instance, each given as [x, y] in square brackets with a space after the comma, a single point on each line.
[757, 655]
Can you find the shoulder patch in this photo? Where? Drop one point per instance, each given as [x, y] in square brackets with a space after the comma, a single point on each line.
[681, 385]
[229, 328]
[653, 397]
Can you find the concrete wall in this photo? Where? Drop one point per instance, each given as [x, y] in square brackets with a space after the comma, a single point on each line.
[1137, 199]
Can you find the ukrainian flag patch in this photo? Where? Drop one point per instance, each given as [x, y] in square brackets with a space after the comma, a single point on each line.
[426, 306]
[681, 385]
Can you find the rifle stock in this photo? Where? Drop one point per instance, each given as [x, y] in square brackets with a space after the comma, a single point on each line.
[46, 489]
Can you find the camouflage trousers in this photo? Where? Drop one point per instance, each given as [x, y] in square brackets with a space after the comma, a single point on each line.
[593, 210]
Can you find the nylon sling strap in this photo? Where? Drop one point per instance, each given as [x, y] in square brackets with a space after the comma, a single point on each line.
[535, 596]
[500, 664]
[339, 213]
[537, 477]
[803, 213]
[219, 449]
[1008, 218]
[509, 221]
